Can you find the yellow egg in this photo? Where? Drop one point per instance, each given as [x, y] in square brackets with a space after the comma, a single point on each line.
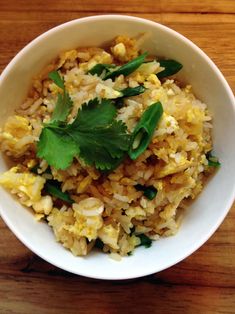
[109, 235]
[27, 183]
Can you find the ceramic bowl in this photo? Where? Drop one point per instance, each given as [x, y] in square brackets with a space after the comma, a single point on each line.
[209, 209]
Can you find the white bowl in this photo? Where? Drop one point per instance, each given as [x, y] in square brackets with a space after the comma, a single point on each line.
[207, 211]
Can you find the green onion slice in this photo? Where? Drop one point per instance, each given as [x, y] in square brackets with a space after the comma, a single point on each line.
[53, 188]
[170, 67]
[149, 191]
[212, 160]
[144, 240]
[133, 91]
[144, 130]
[127, 68]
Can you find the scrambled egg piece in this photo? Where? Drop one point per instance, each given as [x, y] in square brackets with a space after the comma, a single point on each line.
[109, 235]
[193, 121]
[119, 50]
[88, 215]
[152, 81]
[128, 243]
[70, 55]
[86, 226]
[107, 92]
[136, 212]
[101, 57]
[167, 125]
[44, 205]
[61, 221]
[195, 114]
[125, 48]
[16, 135]
[17, 126]
[25, 184]
[146, 74]
[172, 167]
[89, 207]
[148, 70]
[28, 187]
[55, 90]
[74, 226]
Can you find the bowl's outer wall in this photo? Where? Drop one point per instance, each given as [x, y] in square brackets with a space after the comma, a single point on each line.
[206, 213]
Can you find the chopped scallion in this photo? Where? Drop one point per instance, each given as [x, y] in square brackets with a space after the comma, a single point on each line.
[149, 191]
[144, 130]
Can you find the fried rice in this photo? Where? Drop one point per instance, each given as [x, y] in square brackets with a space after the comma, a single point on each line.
[107, 210]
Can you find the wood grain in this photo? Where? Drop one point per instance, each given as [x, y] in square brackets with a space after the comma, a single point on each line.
[203, 30]
[203, 282]
[121, 6]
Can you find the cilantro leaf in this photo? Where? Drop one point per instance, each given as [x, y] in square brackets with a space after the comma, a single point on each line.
[64, 102]
[100, 137]
[95, 136]
[101, 146]
[95, 114]
[56, 147]
[63, 105]
[56, 78]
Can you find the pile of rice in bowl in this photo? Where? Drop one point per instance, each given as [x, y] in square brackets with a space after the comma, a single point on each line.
[107, 149]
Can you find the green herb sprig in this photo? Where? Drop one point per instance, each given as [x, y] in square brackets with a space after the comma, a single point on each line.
[64, 102]
[95, 136]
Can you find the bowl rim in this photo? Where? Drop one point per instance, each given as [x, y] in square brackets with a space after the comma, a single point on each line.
[221, 217]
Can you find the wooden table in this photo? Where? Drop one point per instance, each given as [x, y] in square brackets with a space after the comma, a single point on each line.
[203, 282]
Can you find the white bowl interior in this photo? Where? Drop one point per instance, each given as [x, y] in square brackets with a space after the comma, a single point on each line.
[209, 209]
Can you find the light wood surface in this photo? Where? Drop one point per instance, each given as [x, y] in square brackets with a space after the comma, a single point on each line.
[203, 282]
